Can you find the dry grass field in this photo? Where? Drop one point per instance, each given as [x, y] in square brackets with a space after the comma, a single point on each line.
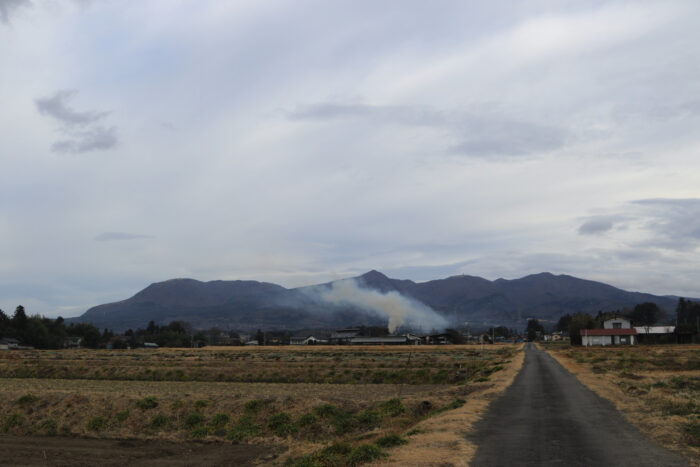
[314, 405]
[656, 387]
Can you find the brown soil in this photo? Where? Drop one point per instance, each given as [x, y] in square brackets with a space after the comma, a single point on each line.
[60, 451]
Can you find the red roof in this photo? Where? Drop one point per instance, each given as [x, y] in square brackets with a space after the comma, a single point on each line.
[609, 332]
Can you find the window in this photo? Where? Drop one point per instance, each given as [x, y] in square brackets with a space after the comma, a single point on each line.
[617, 325]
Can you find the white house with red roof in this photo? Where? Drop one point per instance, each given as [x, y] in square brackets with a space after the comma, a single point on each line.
[616, 331]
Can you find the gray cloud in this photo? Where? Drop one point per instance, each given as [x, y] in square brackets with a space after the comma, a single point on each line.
[57, 107]
[405, 115]
[95, 139]
[505, 137]
[596, 225]
[674, 223]
[8, 6]
[82, 127]
[116, 236]
[487, 134]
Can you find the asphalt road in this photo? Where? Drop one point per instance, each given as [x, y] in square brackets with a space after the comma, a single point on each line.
[547, 417]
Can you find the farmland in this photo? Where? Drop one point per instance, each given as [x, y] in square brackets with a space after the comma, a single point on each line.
[306, 406]
[657, 388]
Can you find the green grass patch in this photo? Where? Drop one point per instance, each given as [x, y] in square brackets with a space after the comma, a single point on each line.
[97, 424]
[280, 424]
[27, 399]
[158, 421]
[49, 427]
[244, 428]
[193, 420]
[219, 420]
[147, 403]
[364, 454]
[122, 415]
[389, 441]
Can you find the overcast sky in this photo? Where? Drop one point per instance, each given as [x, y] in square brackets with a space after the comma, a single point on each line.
[298, 142]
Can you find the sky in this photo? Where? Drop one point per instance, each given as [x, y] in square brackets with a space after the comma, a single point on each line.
[298, 142]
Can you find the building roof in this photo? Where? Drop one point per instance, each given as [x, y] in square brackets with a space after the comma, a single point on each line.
[655, 329]
[609, 332]
[374, 340]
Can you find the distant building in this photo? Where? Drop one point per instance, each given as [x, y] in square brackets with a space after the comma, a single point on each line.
[303, 340]
[9, 343]
[616, 331]
[150, 345]
[73, 342]
[343, 336]
[407, 339]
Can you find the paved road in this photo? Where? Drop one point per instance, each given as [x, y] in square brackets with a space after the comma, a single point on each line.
[547, 417]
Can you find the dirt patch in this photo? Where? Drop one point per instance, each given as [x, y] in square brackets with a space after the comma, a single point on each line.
[44, 451]
[441, 440]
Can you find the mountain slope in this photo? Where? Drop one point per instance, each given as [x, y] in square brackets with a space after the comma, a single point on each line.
[248, 305]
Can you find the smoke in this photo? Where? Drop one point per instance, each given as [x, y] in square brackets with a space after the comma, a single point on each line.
[400, 310]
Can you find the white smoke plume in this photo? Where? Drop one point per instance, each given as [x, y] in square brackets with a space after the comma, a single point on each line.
[399, 309]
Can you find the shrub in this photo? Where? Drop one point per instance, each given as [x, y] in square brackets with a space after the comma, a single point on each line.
[281, 425]
[122, 415]
[390, 441]
[147, 403]
[368, 418]
[245, 428]
[177, 404]
[158, 421]
[27, 399]
[12, 421]
[365, 453]
[307, 419]
[326, 410]
[253, 406]
[392, 407]
[200, 432]
[219, 420]
[200, 404]
[342, 422]
[49, 427]
[692, 430]
[194, 420]
[97, 423]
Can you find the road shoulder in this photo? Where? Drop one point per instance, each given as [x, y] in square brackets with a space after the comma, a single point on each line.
[634, 406]
[442, 440]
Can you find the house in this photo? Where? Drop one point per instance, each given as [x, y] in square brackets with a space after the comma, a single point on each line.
[303, 340]
[72, 342]
[655, 334]
[253, 342]
[616, 331]
[150, 345]
[407, 339]
[343, 336]
[9, 343]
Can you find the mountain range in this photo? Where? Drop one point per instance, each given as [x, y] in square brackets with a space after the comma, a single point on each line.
[249, 305]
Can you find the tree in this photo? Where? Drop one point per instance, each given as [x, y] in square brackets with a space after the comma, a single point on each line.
[455, 337]
[580, 321]
[260, 337]
[645, 314]
[533, 328]
[19, 319]
[563, 323]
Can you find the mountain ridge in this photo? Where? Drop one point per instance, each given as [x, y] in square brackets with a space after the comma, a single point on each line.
[246, 305]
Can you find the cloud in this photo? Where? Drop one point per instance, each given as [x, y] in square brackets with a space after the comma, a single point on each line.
[82, 126]
[404, 115]
[116, 236]
[8, 6]
[57, 107]
[485, 134]
[95, 139]
[506, 137]
[673, 223]
[596, 225]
